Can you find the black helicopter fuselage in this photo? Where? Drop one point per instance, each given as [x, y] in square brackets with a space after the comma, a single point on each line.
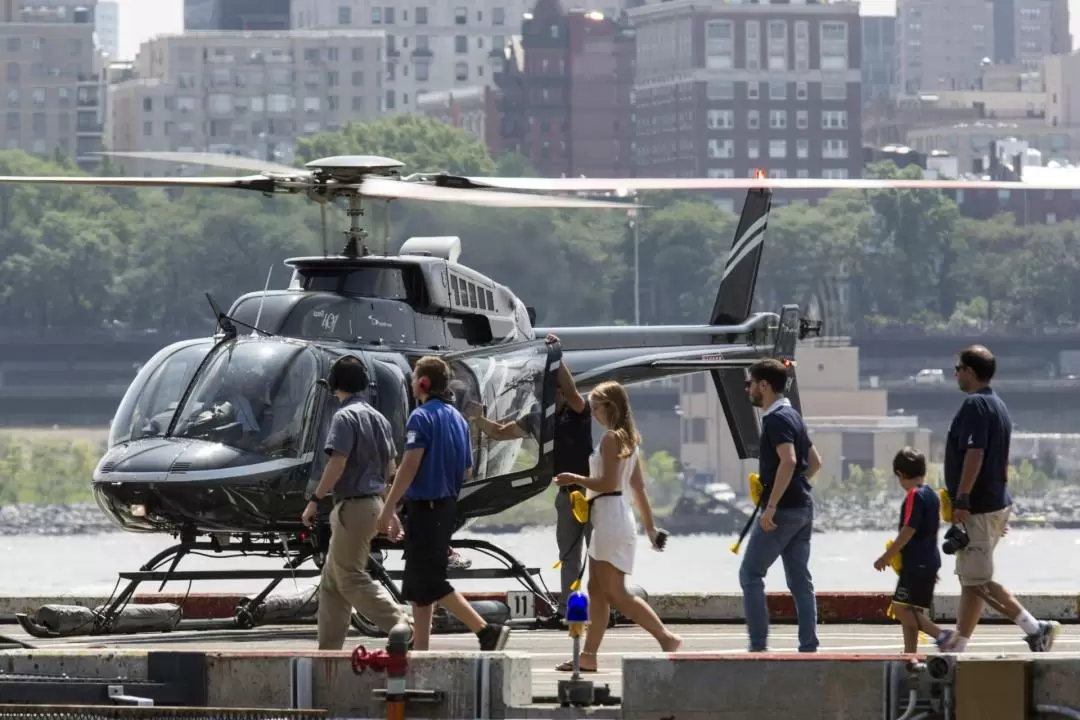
[225, 434]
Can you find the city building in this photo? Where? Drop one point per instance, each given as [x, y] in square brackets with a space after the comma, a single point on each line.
[244, 93]
[943, 45]
[236, 15]
[724, 89]
[107, 28]
[565, 93]
[473, 109]
[52, 80]
[431, 46]
[878, 52]
[848, 425]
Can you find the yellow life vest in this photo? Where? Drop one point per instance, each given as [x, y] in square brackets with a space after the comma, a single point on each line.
[946, 505]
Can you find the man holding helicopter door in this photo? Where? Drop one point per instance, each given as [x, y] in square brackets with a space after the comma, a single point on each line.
[361, 448]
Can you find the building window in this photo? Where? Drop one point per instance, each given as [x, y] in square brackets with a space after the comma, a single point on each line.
[753, 45]
[388, 15]
[344, 15]
[461, 16]
[801, 92]
[753, 149]
[834, 149]
[834, 174]
[461, 71]
[753, 119]
[376, 16]
[802, 148]
[802, 119]
[834, 119]
[422, 72]
[721, 148]
[461, 44]
[778, 149]
[834, 91]
[834, 46]
[778, 119]
[720, 90]
[778, 91]
[721, 173]
[753, 90]
[498, 16]
[719, 44]
[778, 45]
[697, 430]
[721, 119]
[421, 16]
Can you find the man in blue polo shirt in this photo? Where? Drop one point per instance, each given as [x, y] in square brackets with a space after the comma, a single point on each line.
[437, 461]
[976, 477]
[787, 460]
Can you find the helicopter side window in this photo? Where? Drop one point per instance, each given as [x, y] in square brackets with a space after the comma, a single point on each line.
[490, 300]
[472, 295]
[454, 288]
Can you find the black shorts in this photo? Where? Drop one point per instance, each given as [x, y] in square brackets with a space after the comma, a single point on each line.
[915, 587]
[429, 526]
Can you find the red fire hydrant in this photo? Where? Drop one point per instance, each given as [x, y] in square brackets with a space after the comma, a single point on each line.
[394, 661]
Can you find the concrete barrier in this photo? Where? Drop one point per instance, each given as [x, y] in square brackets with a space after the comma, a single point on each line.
[471, 684]
[700, 686]
[833, 607]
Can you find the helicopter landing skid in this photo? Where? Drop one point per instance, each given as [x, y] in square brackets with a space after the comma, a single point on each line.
[246, 615]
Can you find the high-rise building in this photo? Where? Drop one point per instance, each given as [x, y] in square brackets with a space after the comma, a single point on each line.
[565, 93]
[944, 45]
[724, 89]
[244, 93]
[52, 79]
[107, 28]
[878, 55]
[431, 46]
[249, 15]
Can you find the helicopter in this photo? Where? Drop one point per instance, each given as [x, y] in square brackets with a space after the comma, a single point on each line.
[217, 440]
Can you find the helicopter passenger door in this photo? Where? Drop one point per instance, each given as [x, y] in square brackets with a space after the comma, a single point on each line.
[508, 396]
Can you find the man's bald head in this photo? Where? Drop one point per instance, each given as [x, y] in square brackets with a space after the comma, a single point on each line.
[979, 362]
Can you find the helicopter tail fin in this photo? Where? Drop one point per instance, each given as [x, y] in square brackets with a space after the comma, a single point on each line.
[734, 300]
[739, 279]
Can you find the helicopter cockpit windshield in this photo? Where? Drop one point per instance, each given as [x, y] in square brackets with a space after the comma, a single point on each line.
[253, 395]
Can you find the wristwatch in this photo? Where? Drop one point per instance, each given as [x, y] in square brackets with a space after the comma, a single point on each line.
[963, 502]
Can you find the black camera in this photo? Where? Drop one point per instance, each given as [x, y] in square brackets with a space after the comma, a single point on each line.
[956, 538]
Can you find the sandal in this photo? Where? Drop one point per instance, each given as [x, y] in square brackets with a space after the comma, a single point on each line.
[569, 665]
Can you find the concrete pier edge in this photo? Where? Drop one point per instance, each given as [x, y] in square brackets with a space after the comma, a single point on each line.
[833, 607]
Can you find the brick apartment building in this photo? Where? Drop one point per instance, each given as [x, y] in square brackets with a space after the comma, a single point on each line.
[564, 93]
[723, 89]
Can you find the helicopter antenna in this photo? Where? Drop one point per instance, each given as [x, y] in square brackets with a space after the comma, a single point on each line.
[386, 228]
[325, 230]
[266, 289]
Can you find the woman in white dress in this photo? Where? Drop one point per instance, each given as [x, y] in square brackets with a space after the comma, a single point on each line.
[614, 474]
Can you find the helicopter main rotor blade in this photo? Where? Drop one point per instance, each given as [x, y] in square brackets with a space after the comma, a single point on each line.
[230, 162]
[398, 190]
[259, 183]
[638, 184]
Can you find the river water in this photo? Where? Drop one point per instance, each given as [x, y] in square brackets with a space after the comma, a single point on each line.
[1027, 561]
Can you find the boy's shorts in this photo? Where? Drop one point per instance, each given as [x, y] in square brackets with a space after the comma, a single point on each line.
[430, 525]
[915, 587]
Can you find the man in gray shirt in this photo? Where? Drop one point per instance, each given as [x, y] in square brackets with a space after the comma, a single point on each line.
[361, 449]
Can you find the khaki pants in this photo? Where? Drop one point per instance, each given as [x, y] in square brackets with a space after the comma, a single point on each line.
[345, 582]
[975, 563]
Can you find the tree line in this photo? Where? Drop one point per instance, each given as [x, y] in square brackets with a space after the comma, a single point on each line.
[73, 258]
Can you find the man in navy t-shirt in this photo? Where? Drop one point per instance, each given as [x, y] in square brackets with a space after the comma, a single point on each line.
[787, 461]
[976, 477]
[436, 463]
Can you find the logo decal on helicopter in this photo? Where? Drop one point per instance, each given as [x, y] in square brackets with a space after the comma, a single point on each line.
[329, 319]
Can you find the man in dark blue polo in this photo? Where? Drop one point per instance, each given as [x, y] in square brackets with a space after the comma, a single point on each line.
[976, 477]
[787, 461]
[437, 461]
